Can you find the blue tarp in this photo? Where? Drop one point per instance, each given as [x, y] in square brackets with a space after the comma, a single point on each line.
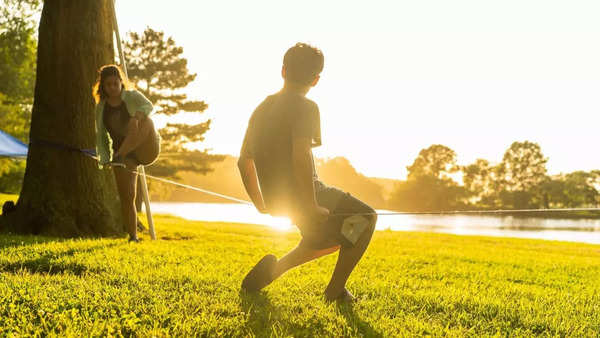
[11, 147]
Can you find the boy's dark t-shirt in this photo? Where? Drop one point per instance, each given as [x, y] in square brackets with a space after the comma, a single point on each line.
[274, 124]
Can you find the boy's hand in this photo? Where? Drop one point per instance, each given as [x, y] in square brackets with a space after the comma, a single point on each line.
[262, 210]
[311, 218]
[318, 213]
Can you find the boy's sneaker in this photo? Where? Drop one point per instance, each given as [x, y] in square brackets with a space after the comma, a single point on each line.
[261, 274]
[345, 297]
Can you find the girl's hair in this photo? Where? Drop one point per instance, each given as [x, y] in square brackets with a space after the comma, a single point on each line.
[103, 73]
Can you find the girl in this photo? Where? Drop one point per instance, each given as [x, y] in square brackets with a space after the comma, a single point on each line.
[125, 136]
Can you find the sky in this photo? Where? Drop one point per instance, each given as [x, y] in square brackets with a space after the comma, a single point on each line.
[399, 76]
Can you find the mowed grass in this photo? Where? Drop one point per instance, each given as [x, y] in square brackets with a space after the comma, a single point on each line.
[7, 197]
[187, 284]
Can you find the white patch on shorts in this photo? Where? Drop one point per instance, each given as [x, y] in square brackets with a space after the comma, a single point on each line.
[353, 227]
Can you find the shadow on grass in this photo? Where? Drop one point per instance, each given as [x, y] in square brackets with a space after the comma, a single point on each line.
[11, 241]
[353, 320]
[176, 237]
[264, 319]
[52, 263]
[258, 309]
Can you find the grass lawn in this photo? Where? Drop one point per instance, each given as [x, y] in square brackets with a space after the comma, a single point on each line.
[7, 197]
[187, 283]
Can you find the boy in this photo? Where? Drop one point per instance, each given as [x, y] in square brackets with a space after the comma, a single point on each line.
[278, 171]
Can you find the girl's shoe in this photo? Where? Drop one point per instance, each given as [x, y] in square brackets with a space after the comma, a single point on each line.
[134, 239]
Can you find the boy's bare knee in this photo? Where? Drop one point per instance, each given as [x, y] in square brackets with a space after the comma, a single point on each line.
[374, 219]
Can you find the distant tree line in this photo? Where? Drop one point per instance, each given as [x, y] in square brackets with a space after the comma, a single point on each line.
[520, 181]
[435, 182]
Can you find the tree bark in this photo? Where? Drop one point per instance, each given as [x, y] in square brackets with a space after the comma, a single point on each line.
[64, 193]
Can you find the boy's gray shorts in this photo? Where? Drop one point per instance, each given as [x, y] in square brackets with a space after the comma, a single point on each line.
[328, 234]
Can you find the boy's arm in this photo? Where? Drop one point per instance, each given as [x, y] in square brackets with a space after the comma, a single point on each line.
[250, 179]
[249, 176]
[303, 174]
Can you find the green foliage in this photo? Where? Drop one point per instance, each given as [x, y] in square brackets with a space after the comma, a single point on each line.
[429, 186]
[224, 179]
[18, 13]
[17, 65]
[580, 190]
[427, 193]
[339, 172]
[187, 284]
[480, 179]
[17, 50]
[176, 157]
[521, 175]
[11, 175]
[518, 182]
[523, 166]
[572, 190]
[156, 66]
[436, 161]
[15, 118]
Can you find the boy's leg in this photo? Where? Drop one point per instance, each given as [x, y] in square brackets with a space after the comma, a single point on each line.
[347, 260]
[269, 268]
[298, 256]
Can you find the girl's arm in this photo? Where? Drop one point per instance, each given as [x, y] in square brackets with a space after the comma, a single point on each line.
[144, 106]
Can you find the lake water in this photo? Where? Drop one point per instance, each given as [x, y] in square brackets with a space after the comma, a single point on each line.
[586, 231]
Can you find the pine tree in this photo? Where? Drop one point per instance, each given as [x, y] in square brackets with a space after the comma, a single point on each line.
[157, 68]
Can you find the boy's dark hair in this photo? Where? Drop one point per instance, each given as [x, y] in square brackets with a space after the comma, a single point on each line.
[303, 63]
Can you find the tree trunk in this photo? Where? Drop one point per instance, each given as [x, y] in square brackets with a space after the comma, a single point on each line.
[64, 193]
